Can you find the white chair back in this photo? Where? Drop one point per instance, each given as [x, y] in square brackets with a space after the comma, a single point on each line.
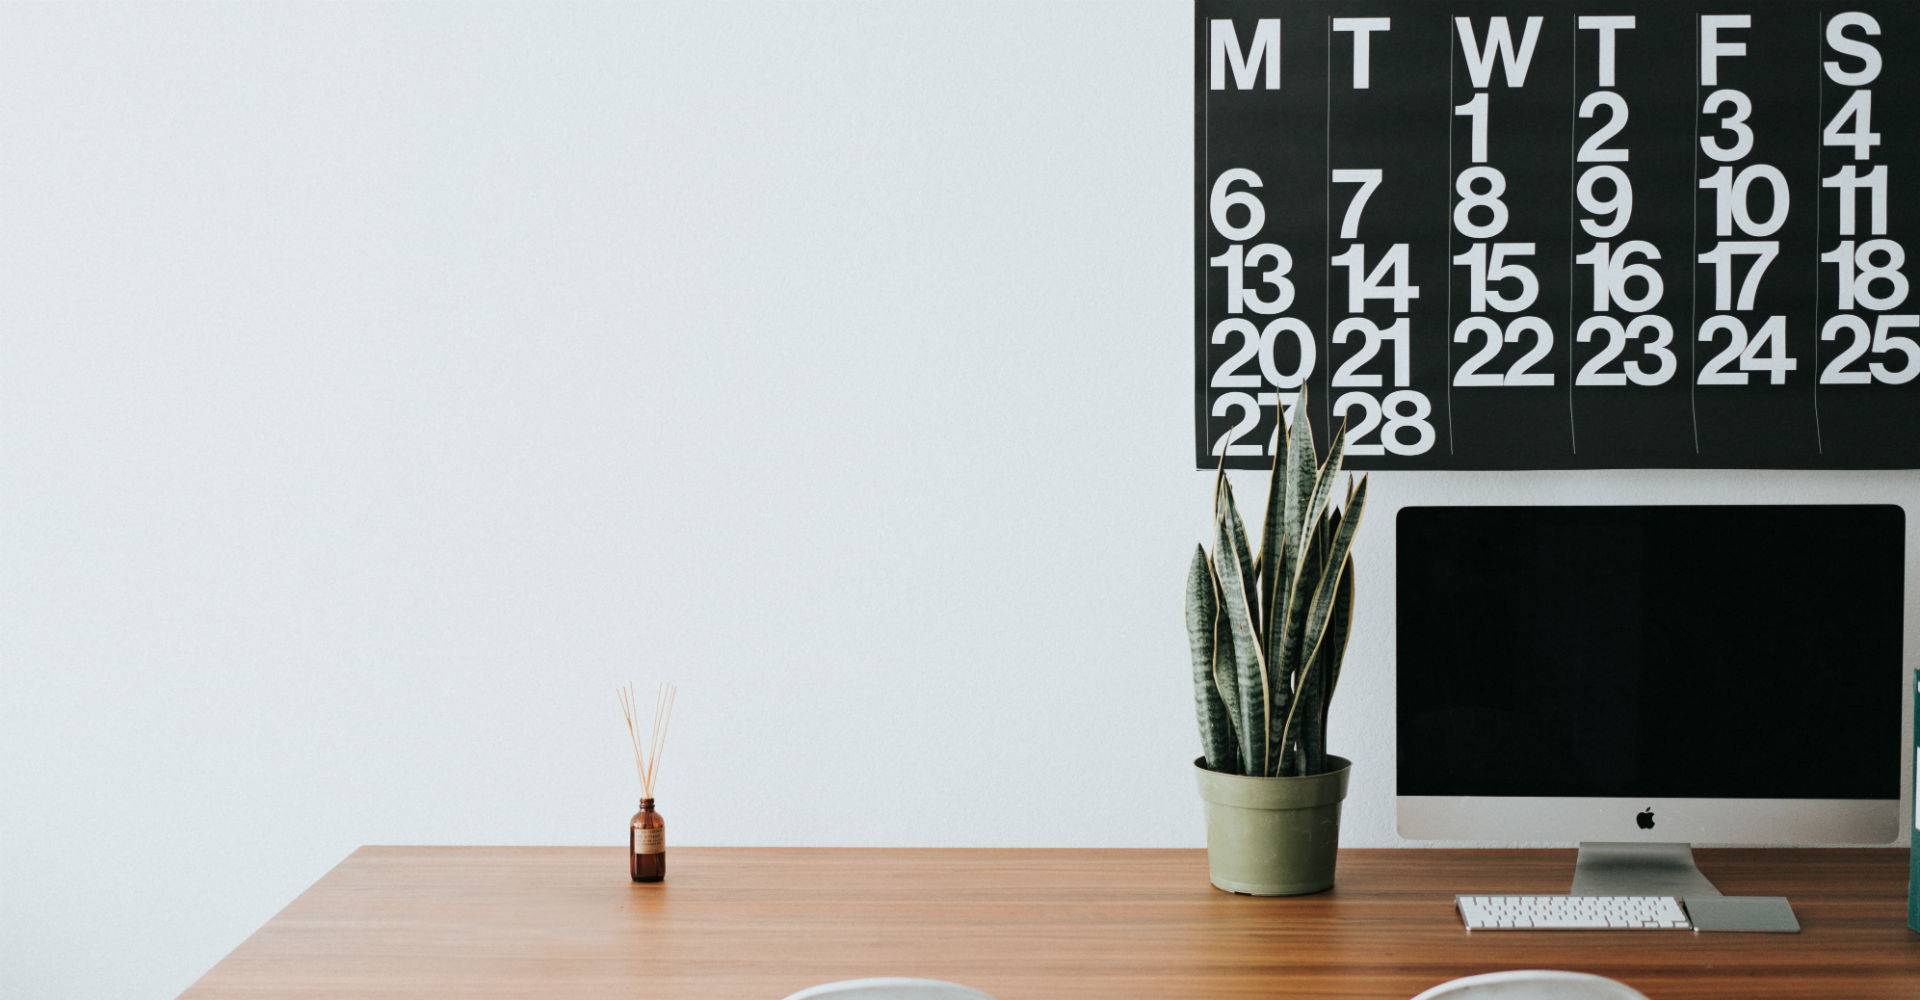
[889, 989]
[1533, 984]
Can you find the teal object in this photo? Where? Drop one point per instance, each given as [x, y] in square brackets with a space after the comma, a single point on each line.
[1273, 836]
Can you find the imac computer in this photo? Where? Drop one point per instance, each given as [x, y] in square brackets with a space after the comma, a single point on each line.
[1639, 679]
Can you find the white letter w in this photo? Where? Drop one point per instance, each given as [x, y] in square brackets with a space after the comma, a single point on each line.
[1480, 57]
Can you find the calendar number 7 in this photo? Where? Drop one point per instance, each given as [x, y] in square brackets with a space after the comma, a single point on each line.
[1368, 181]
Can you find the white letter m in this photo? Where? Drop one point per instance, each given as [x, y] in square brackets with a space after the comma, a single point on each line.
[1265, 47]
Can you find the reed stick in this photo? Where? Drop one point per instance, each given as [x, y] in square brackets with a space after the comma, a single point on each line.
[646, 760]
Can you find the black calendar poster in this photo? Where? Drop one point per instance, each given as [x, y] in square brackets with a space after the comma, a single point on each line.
[1548, 236]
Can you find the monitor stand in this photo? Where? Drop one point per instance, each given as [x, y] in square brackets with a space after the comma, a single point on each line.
[1638, 870]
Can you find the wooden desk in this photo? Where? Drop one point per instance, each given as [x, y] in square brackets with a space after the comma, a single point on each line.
[756, 924]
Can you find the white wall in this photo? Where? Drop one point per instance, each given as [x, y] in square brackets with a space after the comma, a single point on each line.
[381, 385]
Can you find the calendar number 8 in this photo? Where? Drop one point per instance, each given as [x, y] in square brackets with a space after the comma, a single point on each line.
[1401, 412]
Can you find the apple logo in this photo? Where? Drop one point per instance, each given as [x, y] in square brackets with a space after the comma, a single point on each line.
[1645, 818]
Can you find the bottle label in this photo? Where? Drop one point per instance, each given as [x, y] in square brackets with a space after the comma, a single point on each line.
[652, 841]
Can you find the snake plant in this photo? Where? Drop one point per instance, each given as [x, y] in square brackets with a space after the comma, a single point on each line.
[1268, 629]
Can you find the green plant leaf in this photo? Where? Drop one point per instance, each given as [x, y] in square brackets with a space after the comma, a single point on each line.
[1328, 478]
[1205, 625]
[1287, 496]
[1306, 743]
[1307, 746]
[1302, 573]
[1225, 508]
[1252, 683]
[1288, 491]
[1324, 593]
[1226, 684]
[1273, 531]
[1339, 627]
[1319, 526]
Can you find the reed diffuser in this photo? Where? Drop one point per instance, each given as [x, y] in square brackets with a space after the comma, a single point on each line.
[647, 835]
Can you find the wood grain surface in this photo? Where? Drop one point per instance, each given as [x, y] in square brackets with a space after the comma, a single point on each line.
[759, 923]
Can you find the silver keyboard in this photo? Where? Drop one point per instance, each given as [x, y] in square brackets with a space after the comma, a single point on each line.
[1572, 913]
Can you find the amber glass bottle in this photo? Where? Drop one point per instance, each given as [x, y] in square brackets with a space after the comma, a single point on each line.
[647, 845]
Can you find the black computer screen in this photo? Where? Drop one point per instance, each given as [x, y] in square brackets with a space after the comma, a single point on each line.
[1717, 652]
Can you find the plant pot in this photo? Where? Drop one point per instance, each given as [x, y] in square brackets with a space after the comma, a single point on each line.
[1273, 836]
